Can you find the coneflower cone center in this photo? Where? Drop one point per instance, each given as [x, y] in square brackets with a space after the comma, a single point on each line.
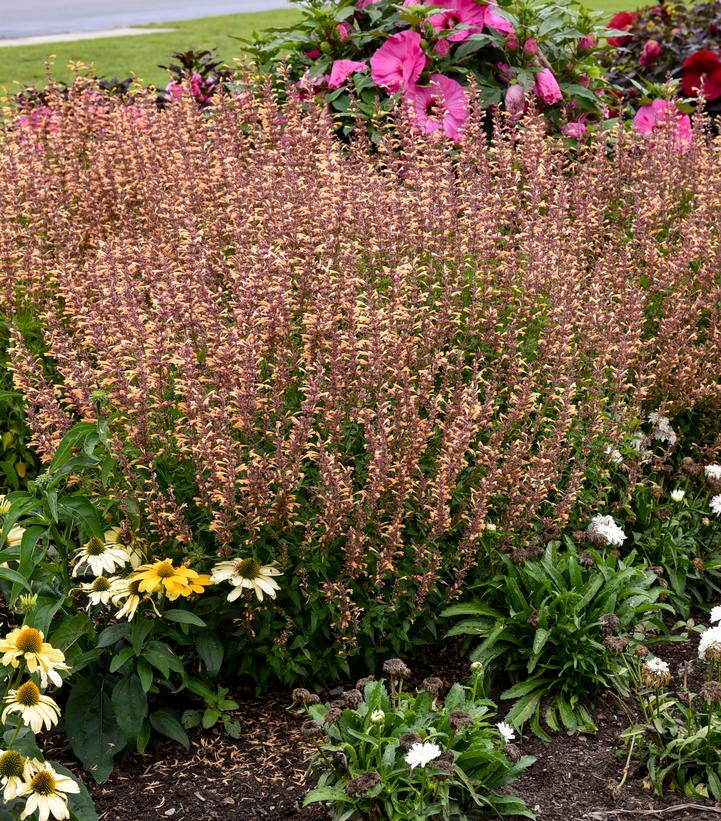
[43, 783]
[29, 641]
[248, 568]
[101, 584]
[12, 764]
[28, 694]
[95, 547]
[165, 570]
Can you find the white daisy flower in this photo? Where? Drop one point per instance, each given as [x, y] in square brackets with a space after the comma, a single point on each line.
[15, 769]
[378, 717]
[421, 754]
[713, 472]
[100, 557]
[604, 530]
[709, 647]
[715, 614]
[506, 731]
[247, 574]
[98, 591]
[716, 504]
[677, 495]
[47, 793]
[36, 710]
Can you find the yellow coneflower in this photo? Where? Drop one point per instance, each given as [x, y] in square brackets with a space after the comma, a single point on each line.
[131, 545]
[125, 591]
[35, 709]
[98, 591]
[27, 644]
[47, 792]
[173, 581]
[100, 556]
[247, 574]
[14, 771]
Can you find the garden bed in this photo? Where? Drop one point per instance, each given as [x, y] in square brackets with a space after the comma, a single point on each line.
[263, 774]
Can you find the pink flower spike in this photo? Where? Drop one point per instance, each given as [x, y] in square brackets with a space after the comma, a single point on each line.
[547, 88]
[651, 52]
[442, 105]
[588, 43]
[398, 63]
[342, 70]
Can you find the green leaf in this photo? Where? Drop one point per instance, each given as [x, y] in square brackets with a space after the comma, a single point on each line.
[331, 794]
[145, 674]
[91, 728]
[114, 633]
[121, 658]
[16, 578]
[211, 651]
[42, 613]
[183, 617]
[70, 630]
[130, 705]
[168, 725]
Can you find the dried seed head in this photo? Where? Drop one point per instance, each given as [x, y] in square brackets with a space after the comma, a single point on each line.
[460, 718]
[586, 560]
[311, 729]
[362, 784]
[396, 669]
[615, 644]
[519, 556]
[534, 618]
[513, 752]
[640, 651]
[433, 685]
[610, 623]
[699, 565]
[333, 716]
[361, 683]
[711, 692]
[444, 763]
[352, 698]
[407, 740]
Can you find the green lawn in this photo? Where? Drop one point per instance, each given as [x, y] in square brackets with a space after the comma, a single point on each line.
[119, 56]
[141, 53]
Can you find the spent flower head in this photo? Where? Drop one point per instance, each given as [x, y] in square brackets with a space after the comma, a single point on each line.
[603, 531]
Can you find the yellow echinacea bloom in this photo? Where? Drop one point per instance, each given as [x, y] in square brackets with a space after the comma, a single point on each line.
[15, 770]
[248, 574]
[174, 582]
[27, 644]
[47, 792]
[36, 710]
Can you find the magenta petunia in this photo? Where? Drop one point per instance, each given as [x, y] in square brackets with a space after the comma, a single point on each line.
[398, 63]
[547, 88]
[440, 106]
[342, 70]
[658, 115]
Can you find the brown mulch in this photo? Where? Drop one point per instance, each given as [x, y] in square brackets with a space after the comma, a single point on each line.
[262, 775]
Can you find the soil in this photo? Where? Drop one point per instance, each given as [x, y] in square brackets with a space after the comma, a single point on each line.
[262, 775]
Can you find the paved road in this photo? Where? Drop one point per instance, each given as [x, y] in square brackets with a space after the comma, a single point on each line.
[25, 18]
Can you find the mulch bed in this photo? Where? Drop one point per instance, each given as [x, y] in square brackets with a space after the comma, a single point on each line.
[263, 774]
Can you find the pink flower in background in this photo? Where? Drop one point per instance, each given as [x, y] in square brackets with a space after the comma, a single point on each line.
[651, 52]
[362, 4]
[342, 70]
[459, 13]
[658, 115]
[399, 62]
[505, 72]
[442, 47]
[314, 54]
[576, 130]
[588, 43]
[442, 105]
[512, 42]
[530, 47]
[702, 70]
[622, 21]
[515, 101]
[343, 30]
[547, 88]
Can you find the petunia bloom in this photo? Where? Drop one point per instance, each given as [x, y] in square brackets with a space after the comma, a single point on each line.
[702, 71]
[547, 88]
[622, 21]
[398, 63]
[342, 70]
[442, 105]
[650, 118]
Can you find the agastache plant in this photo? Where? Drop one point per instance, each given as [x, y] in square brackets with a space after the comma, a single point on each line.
[345, 360]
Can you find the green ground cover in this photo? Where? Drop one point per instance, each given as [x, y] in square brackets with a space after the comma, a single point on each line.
[140, 53]
[118, 56]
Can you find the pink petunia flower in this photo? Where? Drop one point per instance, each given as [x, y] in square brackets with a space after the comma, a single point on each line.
[662, 114]
[442, 105]
[342, 70]
[547, 88]
[398, 63]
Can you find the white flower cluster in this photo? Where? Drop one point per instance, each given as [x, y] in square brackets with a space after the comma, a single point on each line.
[605, 530]
[716, 504]
[677, 495]
[713, 473]
[656, 665]
[662, 429]
[506, 731]
[709, 648]
[421, 754]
